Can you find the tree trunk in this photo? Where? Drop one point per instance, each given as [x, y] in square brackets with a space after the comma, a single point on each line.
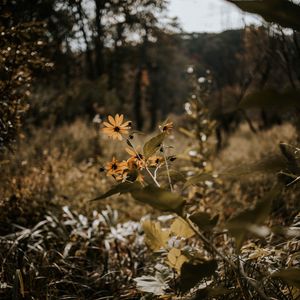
[138, 90]
[88, 55]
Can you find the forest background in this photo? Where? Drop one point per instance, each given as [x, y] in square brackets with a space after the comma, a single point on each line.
[66, 65]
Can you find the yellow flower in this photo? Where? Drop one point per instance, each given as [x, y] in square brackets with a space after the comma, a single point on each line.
[136, 163]
[114, 128]
[115, 168]
[136, 160]
[154, 161]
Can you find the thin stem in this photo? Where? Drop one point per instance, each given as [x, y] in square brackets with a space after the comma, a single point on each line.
[154, 179]
[208, 243]
[295, 180]
[155, 172]
[167, 167]
[138, 155]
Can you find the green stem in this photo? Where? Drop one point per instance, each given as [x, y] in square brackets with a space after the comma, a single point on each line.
[167, 167]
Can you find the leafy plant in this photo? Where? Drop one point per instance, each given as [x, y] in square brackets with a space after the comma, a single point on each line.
[173, 243]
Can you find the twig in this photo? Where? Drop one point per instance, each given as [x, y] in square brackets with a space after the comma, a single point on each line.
[154, 179]
[167, 167]
[295, 180]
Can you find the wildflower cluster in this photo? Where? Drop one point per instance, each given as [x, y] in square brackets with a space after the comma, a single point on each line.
[138, 162]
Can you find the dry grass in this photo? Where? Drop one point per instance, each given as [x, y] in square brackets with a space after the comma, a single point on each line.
[55, 168]
[60, 167]
[244, 146]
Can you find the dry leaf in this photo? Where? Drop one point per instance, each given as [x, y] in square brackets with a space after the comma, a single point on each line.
[176, 259]
[181, 228]
[155, 237]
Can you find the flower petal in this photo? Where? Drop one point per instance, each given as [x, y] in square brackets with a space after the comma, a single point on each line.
[123, 131]
[116, 136]
[124, 128]
[108, 124]
[130, 151]
[119, 137]
[116, 117]
[111, 120]
[126, 124]
[119, 119]
[108, 131]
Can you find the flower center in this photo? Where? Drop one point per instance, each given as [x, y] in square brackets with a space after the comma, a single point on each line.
[117, 129]
[114, 166]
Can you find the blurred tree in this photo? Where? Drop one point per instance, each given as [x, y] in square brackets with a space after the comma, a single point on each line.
[138, 53]
[118, 33]
[21, 46]
[216, 52]
[139, 18]
[80, 17]
[285, 14]
[167, 74]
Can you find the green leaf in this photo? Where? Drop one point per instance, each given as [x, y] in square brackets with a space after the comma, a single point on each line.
[250, 220]
[267, 99]
[175, 176]
[132, 175]
[290, 275]
[204, 221]
[283, 12]
[151, 284]
[192, 273]
[198, 178]
[153, 145]
[159, 198]
[121, 188]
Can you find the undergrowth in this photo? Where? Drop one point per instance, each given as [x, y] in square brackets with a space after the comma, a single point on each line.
[233, 235]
